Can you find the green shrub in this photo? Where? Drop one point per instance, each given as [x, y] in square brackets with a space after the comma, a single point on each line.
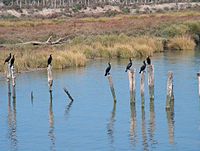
[175, 30]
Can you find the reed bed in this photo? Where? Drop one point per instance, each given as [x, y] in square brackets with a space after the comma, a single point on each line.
[181, 43]
[29, 60]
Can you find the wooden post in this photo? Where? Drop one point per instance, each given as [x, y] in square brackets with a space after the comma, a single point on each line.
[13, 80]
[170, 96]
[131, 77]
[198, 75]
[68, 94]
[8, 71]
[150, 75]
[142, 87]
[112, 87]
[50, 77]
[8, 76]
[151, 80]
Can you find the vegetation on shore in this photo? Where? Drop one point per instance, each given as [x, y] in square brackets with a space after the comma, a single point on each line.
[117, 37]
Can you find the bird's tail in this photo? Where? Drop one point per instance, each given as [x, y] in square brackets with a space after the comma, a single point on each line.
[126, 70]
[140, 71]
[105, 74]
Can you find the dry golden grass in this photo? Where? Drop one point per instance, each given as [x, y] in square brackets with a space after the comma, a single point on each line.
[181, 43]
[28, 60]
[120, 46]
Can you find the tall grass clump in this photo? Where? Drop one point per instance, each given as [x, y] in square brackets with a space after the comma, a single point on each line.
[29, 60]
[181, 43]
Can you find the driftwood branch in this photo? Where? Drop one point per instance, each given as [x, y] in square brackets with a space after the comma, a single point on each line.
[49, 41]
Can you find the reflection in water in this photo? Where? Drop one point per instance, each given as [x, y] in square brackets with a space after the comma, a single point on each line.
[152, 123]
[133, 125]
[110, 126]
[144, 135]
[67, 109]
[32, 97]
[170, 121]
[51, 125]
[12, 123]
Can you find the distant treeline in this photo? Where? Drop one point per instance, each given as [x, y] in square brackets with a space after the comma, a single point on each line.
[69, 3]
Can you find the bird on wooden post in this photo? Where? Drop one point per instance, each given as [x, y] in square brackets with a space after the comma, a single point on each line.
[129, 65]
[108, 69]
[12, 61]
[148, 60]
[143, 66]
[49, 60]
[8, 58]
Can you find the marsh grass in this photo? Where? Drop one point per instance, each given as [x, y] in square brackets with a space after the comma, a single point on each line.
[181, 43]
[117, 46]
[122, 36]
[29, 60]
[82, 48]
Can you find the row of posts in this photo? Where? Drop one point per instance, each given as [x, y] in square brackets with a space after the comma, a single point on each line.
[11, 77]
[132, 86]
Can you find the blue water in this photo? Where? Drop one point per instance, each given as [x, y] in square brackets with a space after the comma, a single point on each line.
[92, 122]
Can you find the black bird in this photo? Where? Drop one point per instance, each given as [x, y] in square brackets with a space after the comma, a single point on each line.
[143, 67]
[12, 61]
[129, 65]
[49, 60]
[8, 59]
[108, 69]
[148, 60]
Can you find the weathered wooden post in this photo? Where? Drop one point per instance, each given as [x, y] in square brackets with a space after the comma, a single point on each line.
[112, 87]
[198, 75]
[8, 76]
[150, 69]
[142, 87]
[13, 75]
[68, 94]
[131, 77]
[170, 95]
[50, 77]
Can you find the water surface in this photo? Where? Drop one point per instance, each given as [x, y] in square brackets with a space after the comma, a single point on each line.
[92, 122]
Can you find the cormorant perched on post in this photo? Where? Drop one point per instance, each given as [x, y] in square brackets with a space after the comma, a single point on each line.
[129, 65]
[12, 61]
[49, 60]
[148, 60]
[108, 69]
[8, 59]
[143, 67]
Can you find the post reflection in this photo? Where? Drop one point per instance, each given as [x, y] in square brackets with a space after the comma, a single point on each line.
[110, 126]
[68, 108]
[51, 126]
[144, 135]
[152, 122]
[12, 123]
[170, 121]
[133, 125]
